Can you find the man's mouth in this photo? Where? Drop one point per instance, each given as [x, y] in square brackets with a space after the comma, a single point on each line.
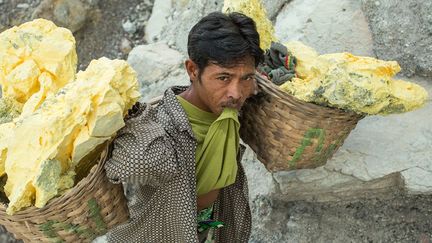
[236, 106]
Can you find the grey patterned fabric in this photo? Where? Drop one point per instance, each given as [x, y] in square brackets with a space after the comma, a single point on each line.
[154, 157]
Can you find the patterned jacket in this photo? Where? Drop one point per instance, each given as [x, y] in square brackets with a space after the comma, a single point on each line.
[154, 157]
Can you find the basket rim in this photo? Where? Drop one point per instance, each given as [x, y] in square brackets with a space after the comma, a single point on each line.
[70, 194]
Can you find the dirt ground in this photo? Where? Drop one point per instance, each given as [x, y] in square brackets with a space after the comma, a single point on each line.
[400, 219]
[102, 33]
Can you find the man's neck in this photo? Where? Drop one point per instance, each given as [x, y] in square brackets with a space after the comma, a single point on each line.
[193, 98]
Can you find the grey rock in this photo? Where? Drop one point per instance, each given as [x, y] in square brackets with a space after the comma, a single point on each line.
[174, 78]
[92, 3]
[326, 25]
[157, 67]
[125, 46]
[129, 27]
[23, 5]
[71, 14]
[402, 31]
[324, 185]
[273, 7]
[400, 218]
[185, 14]
[262, 182]
[158, 20]
[418, 180]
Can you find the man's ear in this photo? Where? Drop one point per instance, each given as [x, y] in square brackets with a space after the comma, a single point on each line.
[192, 70]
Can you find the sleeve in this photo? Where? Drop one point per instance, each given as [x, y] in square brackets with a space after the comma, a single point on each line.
[142, 153]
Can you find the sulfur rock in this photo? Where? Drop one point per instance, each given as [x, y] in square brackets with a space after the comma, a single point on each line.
[6, 133]
[9, 109]
[361, 84]
[66, 127]
[37, 58]
[255, 10]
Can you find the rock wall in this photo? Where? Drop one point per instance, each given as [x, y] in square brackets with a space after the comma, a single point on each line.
[326, 25]
[172, 25]
[402, 30]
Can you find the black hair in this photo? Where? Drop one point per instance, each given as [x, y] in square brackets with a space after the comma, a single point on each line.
[224, 39]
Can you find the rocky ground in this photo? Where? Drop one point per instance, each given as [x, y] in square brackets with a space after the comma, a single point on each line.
[103, 28]
[398, 218]
[395, 219]
[112, 28]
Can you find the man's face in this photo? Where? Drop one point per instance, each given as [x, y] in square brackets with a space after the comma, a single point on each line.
[219, 87]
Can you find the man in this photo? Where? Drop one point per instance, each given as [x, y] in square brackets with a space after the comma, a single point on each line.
[180, 159]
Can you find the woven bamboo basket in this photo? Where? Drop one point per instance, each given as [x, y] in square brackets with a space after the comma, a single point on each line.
[287, 133]
[87, 210]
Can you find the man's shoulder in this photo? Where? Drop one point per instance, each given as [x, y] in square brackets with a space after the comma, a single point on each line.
[142, 147]
[158, 117]
[136, 110]
[141, 123]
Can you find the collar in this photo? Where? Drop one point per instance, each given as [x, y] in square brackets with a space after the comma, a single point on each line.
[174, 109]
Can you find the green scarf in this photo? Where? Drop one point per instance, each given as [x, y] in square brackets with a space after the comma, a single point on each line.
[217, 146]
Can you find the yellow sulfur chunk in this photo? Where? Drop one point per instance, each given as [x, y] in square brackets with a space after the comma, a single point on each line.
[406, 96]
[114, 78]
[60, 132]
[360, 84]
[22, 81]
[45, 89]
[84, 143]
[9, 109]
[6, 133]
[108, 118]
[309, 65]
[26, 191]
[31, 50]
[255, 10]
[47, 180]
[106, 121]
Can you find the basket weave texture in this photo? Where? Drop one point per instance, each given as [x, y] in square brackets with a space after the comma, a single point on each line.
[88, 210]
[287, 133]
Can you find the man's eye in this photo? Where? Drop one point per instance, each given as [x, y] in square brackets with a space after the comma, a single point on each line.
[250, 78]
[223, 78]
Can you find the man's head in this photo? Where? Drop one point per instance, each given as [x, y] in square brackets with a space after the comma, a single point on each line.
[223, 54]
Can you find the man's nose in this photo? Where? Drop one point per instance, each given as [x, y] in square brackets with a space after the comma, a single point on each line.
[234, 91]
